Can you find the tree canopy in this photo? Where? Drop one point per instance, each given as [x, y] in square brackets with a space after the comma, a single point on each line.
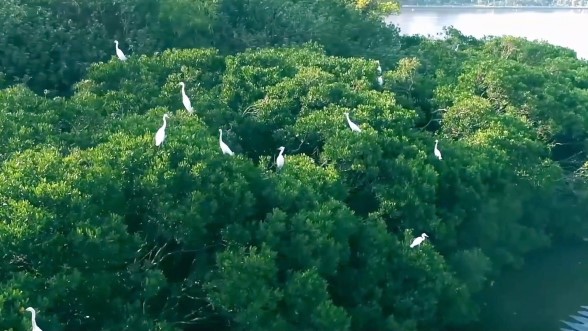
[102, 230]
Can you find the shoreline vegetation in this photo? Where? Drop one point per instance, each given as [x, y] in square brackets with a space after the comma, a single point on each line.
[106, 226]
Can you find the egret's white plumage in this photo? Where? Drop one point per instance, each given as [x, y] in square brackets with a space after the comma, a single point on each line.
[185, 99]
[379, 67]
[33, 319]
[223, 146]
[380, 80]
[354, 127]
[280, 160]
[119, 53]
[160, 135]
[437, 151]
[418, 240]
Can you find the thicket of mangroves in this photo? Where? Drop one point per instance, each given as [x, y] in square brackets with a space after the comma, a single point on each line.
[102, 230]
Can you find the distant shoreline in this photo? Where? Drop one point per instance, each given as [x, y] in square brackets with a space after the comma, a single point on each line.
[491, 7]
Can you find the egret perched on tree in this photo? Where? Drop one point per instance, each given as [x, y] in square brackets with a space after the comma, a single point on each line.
[380, 81]
[352, 125]
[280, 160]
[418, 240]
[160, 135]
[437, 151]
[583, 321]
[224, 147]
[379, 67]
[33, 319]
[185, 99]
[119, 53]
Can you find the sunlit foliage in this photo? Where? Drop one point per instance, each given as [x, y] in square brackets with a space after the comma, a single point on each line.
[102, 230]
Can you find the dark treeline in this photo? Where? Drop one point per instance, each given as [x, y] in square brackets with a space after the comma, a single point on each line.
[102, 230]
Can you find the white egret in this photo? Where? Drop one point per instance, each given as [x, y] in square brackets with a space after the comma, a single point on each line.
[437, 151]
[380, 80]
[352, 125]
[379, 67]
[280, 160]
[418, 240]
[223, 146]
[160, 135]
[33, 319]
[119, 53]
[185, 99]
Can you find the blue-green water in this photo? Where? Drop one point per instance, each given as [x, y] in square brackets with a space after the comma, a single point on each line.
[551, 285]
[563, 27]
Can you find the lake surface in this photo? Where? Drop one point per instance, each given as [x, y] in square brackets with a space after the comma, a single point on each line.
[552, 285]
[562, 27]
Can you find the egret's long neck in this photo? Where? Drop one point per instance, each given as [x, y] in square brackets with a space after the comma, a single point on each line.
[184, 90]
[33, 319]
[281, 151]
[164, 122]
[436, 143]
[220, 137]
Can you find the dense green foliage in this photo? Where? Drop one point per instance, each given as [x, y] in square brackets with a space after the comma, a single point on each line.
[49, 44]
[101, 230]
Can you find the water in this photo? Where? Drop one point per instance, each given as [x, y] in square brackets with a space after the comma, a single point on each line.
[562, 27]
[552, 285]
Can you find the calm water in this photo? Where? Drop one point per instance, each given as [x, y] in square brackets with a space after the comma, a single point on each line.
[562, 27]
[552, 285]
